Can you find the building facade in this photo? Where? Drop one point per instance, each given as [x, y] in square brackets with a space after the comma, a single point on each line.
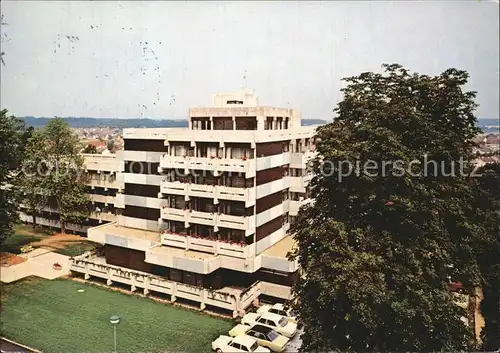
[202, 213]
[103, 182]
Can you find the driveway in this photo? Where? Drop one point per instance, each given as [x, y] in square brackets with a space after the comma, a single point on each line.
[295, 343]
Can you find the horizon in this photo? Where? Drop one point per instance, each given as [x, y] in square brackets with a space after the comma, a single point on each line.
[102, 59]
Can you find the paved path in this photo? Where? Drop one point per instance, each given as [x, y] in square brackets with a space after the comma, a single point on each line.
[294, 344]
[8, 346]
[39, 263]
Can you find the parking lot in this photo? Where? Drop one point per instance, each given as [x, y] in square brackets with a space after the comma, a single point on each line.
[295, 343]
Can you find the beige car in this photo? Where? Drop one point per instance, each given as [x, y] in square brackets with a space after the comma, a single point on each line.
[264, 336]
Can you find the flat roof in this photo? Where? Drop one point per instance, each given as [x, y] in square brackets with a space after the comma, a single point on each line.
[195, 255]
[120, 231]
[281, 248]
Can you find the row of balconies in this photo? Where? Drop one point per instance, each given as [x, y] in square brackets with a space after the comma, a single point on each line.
[190, 253]
[216, 220]
[216, 165]
[105, 199]
[209, 191]
[236, 301]
[215, 247]
[100, 162]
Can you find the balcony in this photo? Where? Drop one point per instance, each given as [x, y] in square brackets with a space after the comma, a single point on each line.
[299, 184]
[275, 257]
[216, 220]
[300, 160]
[208, 246]
[235, 300]
[216, 165]
[102, 199]
[294, 206]
[181, 259]
[100, 163]
[124, 237]
[104, 183]
[215, 192]
[103, 216]
[51, 223]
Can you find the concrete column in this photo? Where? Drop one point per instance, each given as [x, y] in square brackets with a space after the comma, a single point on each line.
[133, 287]
[190, 124]
[87, 271]
[204, 296]
[174, 292]
[234, 123]
[211, 122]
[146, 285]
[109, 282]
[261, 120]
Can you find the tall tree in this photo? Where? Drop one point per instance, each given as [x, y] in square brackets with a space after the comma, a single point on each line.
[62, 172]
[380, 243]
[90, 149]
[30, 182]
[487, 207]
[12, 133]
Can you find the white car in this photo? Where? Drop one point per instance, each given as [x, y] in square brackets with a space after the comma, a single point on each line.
[226, 344]
[279, 309]
[277, 322]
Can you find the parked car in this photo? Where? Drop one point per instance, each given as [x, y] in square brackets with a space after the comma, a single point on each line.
[226, 344]
[279, 309]
[277, 322]
[265, 336]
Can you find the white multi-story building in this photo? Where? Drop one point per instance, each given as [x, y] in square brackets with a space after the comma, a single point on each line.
[203, 212]
[103, 183]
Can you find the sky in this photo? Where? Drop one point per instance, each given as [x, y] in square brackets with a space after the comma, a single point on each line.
[157, 59]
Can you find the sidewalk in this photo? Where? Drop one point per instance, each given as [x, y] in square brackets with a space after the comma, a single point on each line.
[39, 263]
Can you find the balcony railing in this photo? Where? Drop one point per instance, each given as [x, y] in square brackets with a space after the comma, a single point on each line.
[213, 164]
[214, 219]
[215, 247]
[215, 192]
[100, 162]
[106, 199]
[234, 300]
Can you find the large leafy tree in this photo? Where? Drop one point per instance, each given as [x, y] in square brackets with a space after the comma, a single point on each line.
[55, 154]
[380, 244]
[31, 181]
[487, 207]
[13, 136]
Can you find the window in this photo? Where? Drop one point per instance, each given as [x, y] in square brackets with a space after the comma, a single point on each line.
[283, 322]
[244, 348]
[271, 323]
[272, 335]
[175, 275]
[235, 345]
[254, 346]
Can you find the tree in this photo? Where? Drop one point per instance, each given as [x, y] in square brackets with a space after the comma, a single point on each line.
[62, 172]
[12, 133]
[390, 228]
[110, 145]
[30, 182]
[90, 149]
[487, 205]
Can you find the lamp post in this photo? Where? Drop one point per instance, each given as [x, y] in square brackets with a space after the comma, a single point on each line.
[114, 320]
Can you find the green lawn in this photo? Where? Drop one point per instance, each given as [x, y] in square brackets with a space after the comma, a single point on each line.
[53, 317]
[24, 235]
[21, 236]
[77, 248]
